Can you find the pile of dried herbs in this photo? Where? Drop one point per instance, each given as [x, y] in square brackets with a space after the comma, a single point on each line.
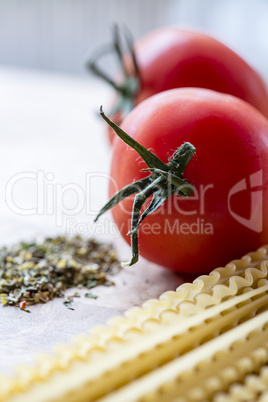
[32, 273]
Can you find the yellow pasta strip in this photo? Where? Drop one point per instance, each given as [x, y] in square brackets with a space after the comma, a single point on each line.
[204, 371]
[137, 344]
[255, 386]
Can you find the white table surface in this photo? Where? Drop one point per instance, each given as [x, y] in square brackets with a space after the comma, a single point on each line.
[49, 124]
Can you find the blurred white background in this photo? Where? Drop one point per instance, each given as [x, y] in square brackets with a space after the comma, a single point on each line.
[57, 34]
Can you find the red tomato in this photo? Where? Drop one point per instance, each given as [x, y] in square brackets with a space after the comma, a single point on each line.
[227, 215]
[172, 57]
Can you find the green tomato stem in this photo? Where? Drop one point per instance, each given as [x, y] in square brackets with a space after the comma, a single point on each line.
[128, 89]
[165, 179]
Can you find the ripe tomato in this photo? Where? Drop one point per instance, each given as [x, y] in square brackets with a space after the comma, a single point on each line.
[172, 57]
[227, 214]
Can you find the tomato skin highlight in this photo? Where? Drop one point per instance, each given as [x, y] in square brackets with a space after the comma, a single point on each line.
[198, 233]
[171, 57]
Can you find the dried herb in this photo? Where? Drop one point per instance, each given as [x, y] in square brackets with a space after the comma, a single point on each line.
[32, 273]
[68, 303]
[91, 296]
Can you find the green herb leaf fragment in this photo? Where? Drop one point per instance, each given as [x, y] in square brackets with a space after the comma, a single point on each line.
[91, 296]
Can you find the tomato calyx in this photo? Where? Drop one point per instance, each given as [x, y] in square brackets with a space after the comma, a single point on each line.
[130, 85]
[164, 180]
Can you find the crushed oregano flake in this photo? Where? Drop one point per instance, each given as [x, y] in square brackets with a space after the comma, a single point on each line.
[32, 273]
[91, 296]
